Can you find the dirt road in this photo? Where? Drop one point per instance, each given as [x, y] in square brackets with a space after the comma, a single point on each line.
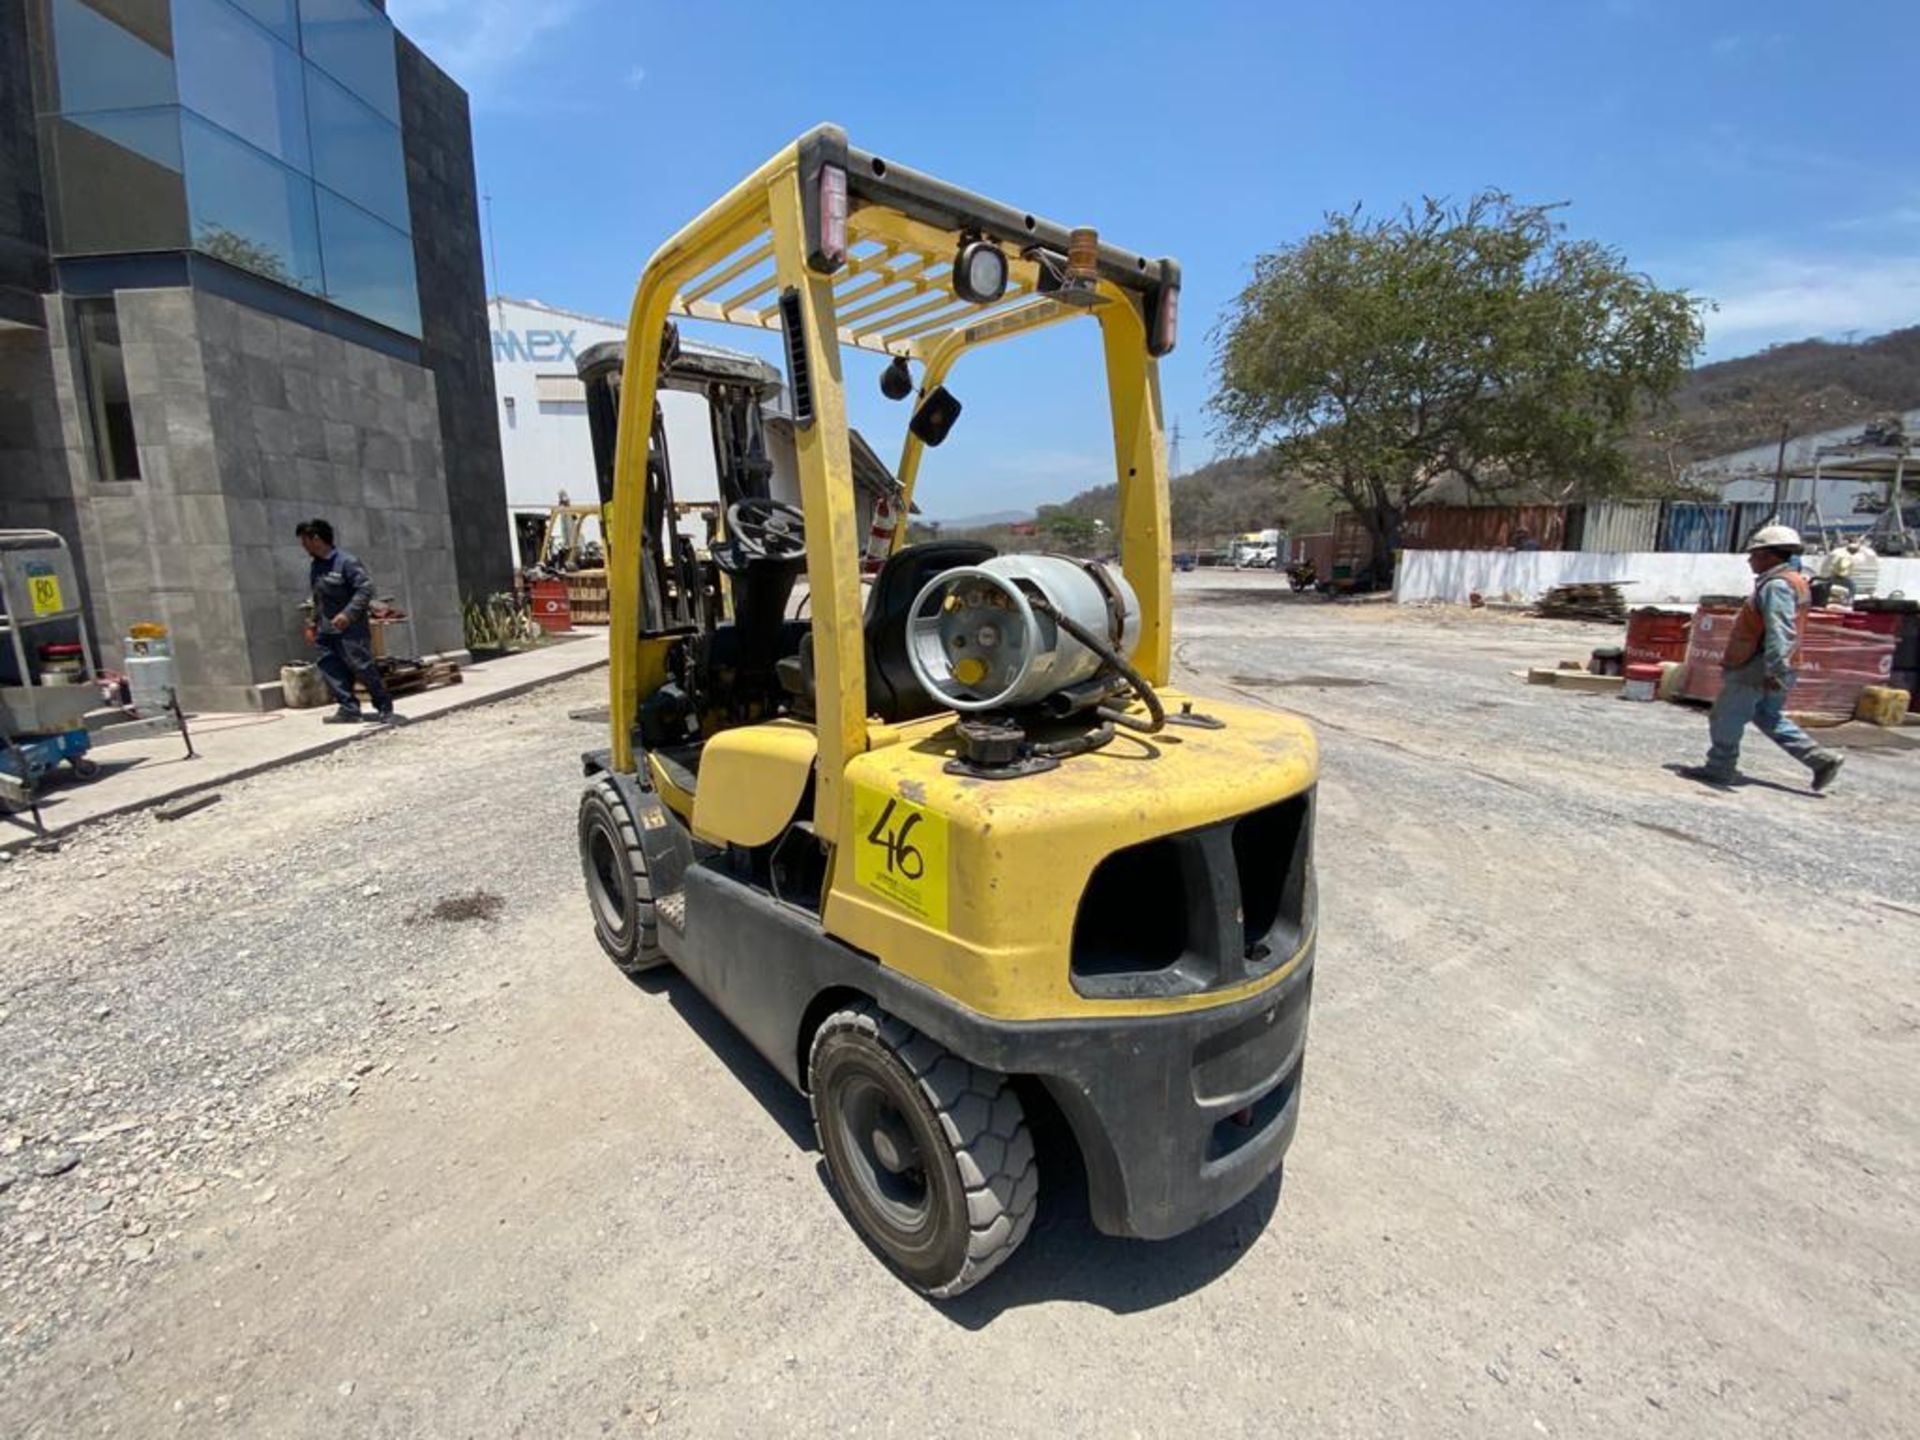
[1610, 1122]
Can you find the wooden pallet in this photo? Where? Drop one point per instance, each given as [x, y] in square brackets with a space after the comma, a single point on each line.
[589, 599]
[410, 677]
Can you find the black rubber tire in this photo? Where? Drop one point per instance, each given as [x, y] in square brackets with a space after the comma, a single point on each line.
[85, 767]
[977, 1169]
[618, 890]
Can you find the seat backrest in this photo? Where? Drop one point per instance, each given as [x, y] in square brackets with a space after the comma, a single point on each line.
[894, 693]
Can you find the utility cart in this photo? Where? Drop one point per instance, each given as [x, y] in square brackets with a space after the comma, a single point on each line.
[48, 676]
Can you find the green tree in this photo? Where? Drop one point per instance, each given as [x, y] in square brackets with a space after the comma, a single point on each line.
[1378, 356]
[1066, 530]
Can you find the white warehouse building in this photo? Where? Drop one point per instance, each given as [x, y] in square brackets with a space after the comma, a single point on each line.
[1816, 471]
[547, 447]
[544, 442]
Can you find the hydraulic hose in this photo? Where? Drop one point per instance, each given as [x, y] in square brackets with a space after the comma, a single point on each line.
[1095, 739]
[1112, 657]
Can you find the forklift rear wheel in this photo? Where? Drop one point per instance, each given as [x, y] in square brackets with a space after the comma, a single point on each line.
[931, 1155]
[84, 767]
[617, 885]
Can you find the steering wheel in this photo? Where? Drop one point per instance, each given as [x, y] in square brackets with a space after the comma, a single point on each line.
[767, 530]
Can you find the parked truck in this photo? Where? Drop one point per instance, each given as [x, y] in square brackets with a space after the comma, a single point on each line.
[1257, 550]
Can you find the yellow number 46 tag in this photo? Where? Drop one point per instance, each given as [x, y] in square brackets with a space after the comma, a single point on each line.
[900, 853]
[43, 592]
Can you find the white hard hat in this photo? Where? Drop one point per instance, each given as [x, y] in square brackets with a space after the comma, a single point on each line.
[1775, 537]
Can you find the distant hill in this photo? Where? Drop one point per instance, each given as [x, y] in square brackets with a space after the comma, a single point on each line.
[1726, 406]
[1811, 384]
[982, 522]
[1226, 497]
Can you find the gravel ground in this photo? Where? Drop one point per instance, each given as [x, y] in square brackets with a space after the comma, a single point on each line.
[1443, 684]
[321, 1113]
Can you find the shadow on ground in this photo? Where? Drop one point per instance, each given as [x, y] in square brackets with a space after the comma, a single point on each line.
[1262, 597]
[1065, 1257]
[16, 821]
[1739, 782]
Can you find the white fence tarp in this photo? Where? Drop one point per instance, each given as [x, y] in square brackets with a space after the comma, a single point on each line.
[1453, 576]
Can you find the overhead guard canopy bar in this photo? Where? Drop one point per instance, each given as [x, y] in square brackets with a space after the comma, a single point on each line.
[903, 230]
[947, 207]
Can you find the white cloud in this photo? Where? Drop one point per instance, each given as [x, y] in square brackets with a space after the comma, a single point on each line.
[636, 77]
[1768, 297]
[476, 41]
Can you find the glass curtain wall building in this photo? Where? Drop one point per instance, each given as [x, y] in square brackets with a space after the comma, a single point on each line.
[241, 286]
[265, 133]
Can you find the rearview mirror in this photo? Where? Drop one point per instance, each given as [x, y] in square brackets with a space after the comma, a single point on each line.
[935, 417]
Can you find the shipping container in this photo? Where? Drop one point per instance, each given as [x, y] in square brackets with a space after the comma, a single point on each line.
[1352, 546]
[1314, 550]
[1483, 527]
[1750, 515]
[1614, 527]
[1693, 528]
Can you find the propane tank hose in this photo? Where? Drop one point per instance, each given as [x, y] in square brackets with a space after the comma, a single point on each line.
[1113, 658]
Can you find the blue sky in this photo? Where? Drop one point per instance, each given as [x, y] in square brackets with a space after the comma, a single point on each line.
[1760, 153]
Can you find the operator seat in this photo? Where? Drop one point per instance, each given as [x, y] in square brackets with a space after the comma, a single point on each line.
[894, 692]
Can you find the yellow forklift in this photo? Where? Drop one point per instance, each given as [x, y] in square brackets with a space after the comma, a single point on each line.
[954, 857]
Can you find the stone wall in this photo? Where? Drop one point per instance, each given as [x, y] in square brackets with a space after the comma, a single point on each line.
[23, 227]
[455, 342]
[248, 423]
[36, 492]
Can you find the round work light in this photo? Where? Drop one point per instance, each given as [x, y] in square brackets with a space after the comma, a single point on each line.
[980, 272]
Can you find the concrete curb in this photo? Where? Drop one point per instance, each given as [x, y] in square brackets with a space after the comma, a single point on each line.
[325, 746]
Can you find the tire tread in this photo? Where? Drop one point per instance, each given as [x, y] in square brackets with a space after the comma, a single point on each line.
[646, 952]
[980, 1114]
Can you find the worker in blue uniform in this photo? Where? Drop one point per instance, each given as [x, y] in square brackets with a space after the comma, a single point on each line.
[342, 597]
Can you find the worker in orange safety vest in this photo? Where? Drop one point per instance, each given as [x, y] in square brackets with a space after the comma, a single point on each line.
[1761, 664]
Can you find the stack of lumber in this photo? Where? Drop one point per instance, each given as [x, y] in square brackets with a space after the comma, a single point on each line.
[1595, 600]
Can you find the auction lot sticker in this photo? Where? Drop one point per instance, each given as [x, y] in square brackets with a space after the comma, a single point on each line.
[43, 589]
[900, 853]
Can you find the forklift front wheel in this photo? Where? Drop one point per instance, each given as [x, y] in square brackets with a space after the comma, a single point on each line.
[931, 1155]
[618, 889]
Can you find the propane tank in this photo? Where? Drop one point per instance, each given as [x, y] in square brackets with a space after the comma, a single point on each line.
[977, 641]
[149, 668]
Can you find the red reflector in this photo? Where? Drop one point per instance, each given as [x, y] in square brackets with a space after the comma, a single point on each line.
[833, 214]
[1166, 330]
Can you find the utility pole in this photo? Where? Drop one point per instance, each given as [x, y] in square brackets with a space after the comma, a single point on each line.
[1173, 450]
[1780, 474]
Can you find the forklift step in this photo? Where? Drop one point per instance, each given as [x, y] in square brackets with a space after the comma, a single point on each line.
[672, 910]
